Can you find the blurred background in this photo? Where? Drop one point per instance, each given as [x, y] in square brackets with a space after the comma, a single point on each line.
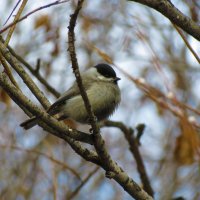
[145, 45]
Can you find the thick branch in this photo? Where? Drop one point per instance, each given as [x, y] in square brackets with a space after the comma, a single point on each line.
[56, 128]
[133, 146]
[8, 70]
[166, 8]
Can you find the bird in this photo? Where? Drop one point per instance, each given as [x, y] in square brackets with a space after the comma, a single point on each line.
[101, 85]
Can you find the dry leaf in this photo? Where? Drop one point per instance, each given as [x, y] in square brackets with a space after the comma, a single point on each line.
[43, 21]
[86, 23]
[187, 144]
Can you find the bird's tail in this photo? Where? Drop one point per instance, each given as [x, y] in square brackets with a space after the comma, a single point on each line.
[29, 123]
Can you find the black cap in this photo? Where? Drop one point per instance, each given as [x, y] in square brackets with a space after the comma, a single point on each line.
[106, 70]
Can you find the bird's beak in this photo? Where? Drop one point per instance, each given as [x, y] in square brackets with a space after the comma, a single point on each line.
[117, 79]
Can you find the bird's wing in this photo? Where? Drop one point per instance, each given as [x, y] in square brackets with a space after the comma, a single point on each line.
[72, 92]
[54, 108]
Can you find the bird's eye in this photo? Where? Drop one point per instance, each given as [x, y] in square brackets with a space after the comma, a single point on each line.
[107, 75]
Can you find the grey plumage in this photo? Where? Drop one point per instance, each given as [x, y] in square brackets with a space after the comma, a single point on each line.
[100, 83]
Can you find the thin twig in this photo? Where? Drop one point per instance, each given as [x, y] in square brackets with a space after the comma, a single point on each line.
[37, 68]
[72, 52]
[17, 16]
[35, 72]
[30, 13]
[12, 12]
[155, 59]
[62, 164]
[89, 176]
[187, 43]
[3, 60]
[140, 130]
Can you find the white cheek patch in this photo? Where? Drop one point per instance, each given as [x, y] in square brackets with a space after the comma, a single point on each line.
[101, 77]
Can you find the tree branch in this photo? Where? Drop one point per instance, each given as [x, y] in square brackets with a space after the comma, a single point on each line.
[17, 16]
[166, 8]
[25, 77]
[99, 143]
[75, 67]
[111, 168]
[133, 146]
[187, 43]
[40, 153]
[12, 12]
[8, 70]
[75, 192]
[30, 13]
[55, 127]
[35, 73]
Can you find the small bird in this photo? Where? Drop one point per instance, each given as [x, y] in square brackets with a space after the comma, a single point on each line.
[100, 83]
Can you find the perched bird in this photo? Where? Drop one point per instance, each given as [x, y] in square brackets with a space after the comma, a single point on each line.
[100, 83]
